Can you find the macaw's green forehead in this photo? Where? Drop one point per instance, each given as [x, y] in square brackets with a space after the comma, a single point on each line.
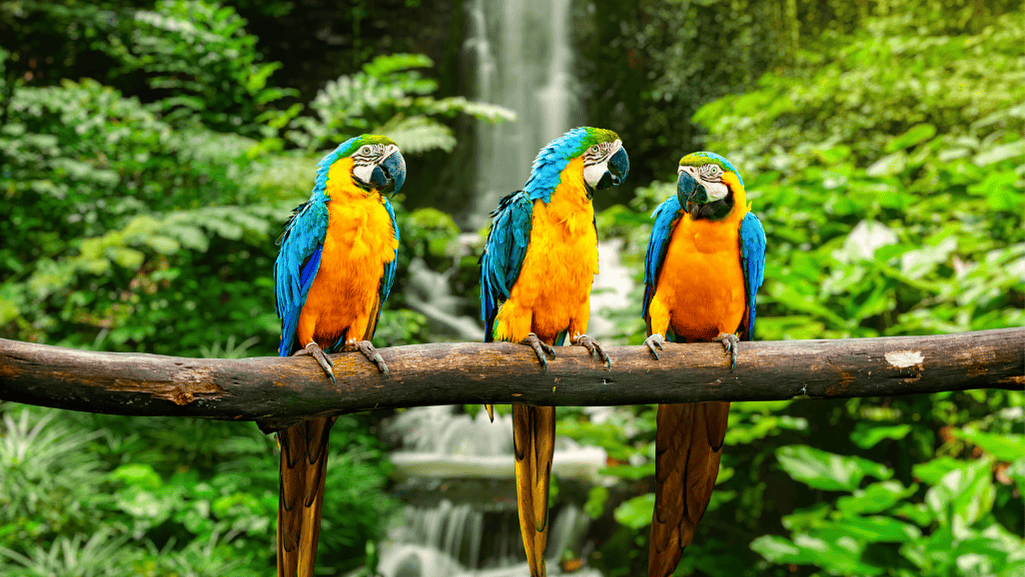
[704, 157]
[353, 144]
[594, 136]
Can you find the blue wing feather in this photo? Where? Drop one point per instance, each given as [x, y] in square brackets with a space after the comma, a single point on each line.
[665, 216]
[752, 255]
[389, 269]
[296, 266]
[503, 255]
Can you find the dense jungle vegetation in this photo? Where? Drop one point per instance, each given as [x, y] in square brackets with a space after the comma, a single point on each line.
[151, 151]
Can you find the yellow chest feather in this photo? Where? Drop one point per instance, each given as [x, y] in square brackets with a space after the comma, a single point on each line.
[702, 282]
[358, 244]
[562, 257]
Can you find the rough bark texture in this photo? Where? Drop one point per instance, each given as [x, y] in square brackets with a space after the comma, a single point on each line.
[282, 390]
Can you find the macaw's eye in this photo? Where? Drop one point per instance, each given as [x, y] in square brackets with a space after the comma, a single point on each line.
[710, 171]
[594, 149]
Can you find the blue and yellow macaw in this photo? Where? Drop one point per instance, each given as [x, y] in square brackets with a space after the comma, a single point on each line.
[704, 264]
[537, 268]
[334, 270]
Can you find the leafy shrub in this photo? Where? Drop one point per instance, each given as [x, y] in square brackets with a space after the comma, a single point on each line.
[948, 525]
[86, 270]
[202, 65]
[893, 211]
[165, 496]
[388, 96]
[46, 477]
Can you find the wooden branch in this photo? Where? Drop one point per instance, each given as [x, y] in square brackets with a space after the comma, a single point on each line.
[278, 391]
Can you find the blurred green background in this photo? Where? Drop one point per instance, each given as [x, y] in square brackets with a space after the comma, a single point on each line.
[150, 153]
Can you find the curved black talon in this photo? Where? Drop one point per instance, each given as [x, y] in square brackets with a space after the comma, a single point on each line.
[731, 343]
[653, 341]
[593, 347]
[370, 353]
[314, 350]
[540, 349]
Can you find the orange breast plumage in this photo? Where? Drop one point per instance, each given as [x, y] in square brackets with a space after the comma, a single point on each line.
[554, 284]
[343, 297]
[702, 282]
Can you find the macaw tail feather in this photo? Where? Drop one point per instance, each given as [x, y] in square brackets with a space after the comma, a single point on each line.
[491, 412]
[534, 445]
[303, 464]
[688, 445]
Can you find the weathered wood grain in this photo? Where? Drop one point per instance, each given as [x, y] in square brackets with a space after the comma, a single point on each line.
[278, 391]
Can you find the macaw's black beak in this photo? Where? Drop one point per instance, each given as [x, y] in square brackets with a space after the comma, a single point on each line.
[616, 170]
[390, 174]
[692, 196]
[619, 168]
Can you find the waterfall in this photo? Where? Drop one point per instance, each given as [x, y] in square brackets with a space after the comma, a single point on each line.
[520, 54]
[454, 472]
[456, 475]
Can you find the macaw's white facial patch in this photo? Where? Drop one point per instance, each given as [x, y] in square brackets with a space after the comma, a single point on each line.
[363, 172]
[596, 161]
[594, 172]
[367, 158]
[715, 190]
[710, 177]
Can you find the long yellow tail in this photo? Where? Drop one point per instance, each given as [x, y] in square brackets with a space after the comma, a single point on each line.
[534, 444]
[688, 445]
[303, 463]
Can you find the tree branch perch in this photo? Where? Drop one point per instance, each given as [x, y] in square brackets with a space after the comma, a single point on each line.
[281, 390]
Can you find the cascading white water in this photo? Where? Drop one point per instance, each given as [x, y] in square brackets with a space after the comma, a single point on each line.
[456, 475]
[520, 54]
[522, 59]
[460, 519]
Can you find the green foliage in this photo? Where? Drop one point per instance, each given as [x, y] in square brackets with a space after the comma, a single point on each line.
[891, 198]
[45, 477]
[647, 67]
[389, 96]
[827, 471]
[166, 496]
[947, 526]
[965, 86]
[86, 270]
[922, 222]
[75, 557]
[199, 57]
[144, 219]
[650, 65]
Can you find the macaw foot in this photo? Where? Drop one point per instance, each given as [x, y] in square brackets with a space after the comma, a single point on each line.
[593, 348]
[655, 341]
[314, 350]
[541, 349]
[731, 343]
[369, 352]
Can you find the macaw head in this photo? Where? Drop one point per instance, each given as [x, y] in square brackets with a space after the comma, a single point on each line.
[707, 185]
[606, 163]
[376, 165]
